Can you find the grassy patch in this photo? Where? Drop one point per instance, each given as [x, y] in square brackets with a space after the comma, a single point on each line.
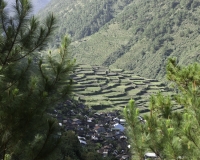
[93, 89]
[116, 70]
[134, 91]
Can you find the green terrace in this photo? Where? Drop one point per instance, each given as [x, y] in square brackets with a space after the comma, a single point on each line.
[103, 89]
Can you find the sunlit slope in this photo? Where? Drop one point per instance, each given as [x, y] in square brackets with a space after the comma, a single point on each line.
[100, 45]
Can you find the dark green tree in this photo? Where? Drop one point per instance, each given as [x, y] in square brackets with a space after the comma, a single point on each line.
[71, 147]
[31, 83]
[169, 132]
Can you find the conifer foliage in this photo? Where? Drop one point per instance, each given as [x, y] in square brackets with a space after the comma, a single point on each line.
[30, 84]
[168, 133]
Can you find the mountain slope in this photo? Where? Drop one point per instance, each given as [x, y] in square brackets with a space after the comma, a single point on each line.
[80, 18]
[138, 35]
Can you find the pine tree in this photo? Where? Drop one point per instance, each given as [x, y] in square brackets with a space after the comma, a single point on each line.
[166, 131]
[30, 85]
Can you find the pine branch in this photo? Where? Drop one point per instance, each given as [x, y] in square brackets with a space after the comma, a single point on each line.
[22, 16]
[43, 37]
[45, 142]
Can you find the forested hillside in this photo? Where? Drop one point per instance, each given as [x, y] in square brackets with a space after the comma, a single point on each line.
[80, 18]
[130, 34]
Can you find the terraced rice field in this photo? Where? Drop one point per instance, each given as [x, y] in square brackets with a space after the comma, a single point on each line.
[102, 88]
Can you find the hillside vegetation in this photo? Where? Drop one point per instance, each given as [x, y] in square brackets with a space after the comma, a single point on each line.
[81, 18]
[130, 34]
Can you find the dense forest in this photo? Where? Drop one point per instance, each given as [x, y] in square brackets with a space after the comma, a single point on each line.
[141, 33]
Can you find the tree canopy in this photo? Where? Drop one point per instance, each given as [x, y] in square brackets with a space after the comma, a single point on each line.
[31, 83]
[170, 133]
